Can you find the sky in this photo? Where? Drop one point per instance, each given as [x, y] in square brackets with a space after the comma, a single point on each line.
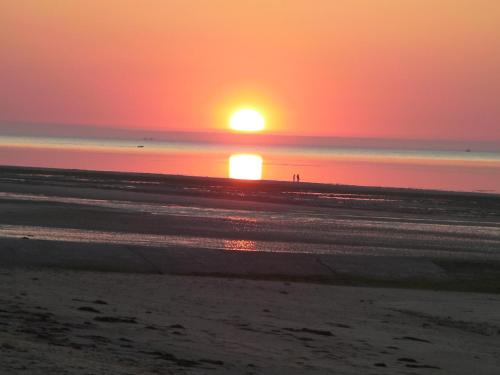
[415, 69]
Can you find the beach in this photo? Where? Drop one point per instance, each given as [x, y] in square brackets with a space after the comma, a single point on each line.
[82, 322]
[140, 273]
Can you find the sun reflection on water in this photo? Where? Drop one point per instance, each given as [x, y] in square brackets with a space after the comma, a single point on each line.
[240, 245]
[245, 166]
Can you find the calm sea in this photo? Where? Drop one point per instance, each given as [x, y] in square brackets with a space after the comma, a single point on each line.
[414, 165]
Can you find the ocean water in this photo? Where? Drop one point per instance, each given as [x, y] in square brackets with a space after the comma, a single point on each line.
[445, 166]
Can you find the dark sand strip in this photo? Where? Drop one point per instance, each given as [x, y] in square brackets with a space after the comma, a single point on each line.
[323, 268]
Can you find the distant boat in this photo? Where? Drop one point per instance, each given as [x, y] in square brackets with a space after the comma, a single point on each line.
[140, 146]
[467, 150]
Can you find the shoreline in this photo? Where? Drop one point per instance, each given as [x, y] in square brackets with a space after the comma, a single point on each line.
[321, 186]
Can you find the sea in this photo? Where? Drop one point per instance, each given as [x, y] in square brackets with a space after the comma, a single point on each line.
[437, 165]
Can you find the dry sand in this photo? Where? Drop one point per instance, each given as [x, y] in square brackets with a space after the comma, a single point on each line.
[76, 322]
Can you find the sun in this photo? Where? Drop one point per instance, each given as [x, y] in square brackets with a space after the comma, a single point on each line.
[247, 120]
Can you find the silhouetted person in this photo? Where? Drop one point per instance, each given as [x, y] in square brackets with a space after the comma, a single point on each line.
[294, 177]
[298, 177]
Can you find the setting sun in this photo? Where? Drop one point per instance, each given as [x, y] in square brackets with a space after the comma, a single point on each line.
[245, 167]
[247, 120]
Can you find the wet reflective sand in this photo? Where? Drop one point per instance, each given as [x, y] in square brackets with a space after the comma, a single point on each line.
[174, 212]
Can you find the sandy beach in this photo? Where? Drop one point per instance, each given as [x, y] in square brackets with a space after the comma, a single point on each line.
[122, 273]
[62, 322]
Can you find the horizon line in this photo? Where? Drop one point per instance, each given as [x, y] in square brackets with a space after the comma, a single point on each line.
[228, 133]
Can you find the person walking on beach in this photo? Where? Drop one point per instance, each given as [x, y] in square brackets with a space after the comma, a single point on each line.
[294, 177]
[298, 177]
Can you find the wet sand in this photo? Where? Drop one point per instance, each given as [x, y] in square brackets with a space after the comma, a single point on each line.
[100, 274]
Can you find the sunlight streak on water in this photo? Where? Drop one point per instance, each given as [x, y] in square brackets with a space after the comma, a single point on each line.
[245, 167]
[179, 242]
[240, 245]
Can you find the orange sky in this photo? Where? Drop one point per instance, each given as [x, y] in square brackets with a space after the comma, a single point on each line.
[412, 69]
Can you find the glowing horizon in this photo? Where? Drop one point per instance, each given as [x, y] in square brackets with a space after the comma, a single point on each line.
[416, 69]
